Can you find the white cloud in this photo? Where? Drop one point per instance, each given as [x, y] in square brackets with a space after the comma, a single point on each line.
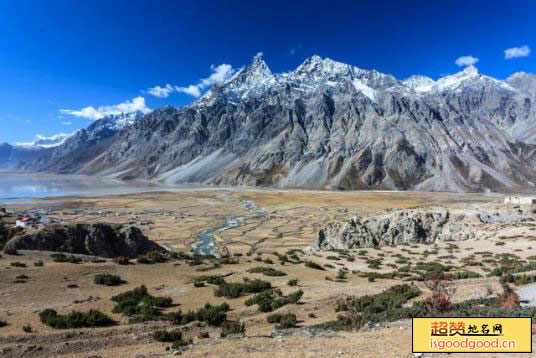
[466, 60]
[219, 73]
[161, 92]
[292, 52]
[90, 112]
[192, 90]
[66, 123]
[515, 52]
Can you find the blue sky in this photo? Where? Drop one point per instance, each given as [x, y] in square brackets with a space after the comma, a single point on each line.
[67, 55]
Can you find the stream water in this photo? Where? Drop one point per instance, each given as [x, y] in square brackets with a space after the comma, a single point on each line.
[208, 246]
[527, 295]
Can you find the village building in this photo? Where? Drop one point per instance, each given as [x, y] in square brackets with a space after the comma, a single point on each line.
[520, 200]
[23, 221]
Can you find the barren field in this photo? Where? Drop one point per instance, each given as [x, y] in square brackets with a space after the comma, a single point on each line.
[288, 227]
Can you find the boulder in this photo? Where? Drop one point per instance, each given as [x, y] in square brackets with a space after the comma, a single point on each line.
[104, 240]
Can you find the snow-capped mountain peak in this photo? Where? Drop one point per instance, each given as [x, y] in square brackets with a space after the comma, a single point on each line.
[42, 141]
[119, 121]
[419, 83]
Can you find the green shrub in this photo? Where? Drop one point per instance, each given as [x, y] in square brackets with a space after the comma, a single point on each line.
[392, 297]
[150, 258]
[214, 315]
[18, 264]
[284, 320]
[61, 257]
[39, 263]
[267, 271]
[518, 280]
[75, 319]
[235, 290]
[374, 264]
[178, 345]
[167, 336]
[107, 279]
[270, 300]
[140, 305]
[27, 328]
[293, 282]
[121, 260]
[314, 265]
[232, 327]
[199, 283]
[212, 279]
[462, 275]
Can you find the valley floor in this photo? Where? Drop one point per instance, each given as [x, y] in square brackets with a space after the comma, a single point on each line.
[292, 221]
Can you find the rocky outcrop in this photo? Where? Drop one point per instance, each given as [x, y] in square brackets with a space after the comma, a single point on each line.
[4, 234]
[104, 240]
[404, 226]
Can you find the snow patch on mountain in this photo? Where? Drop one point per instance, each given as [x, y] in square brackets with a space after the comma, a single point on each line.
[42, 141]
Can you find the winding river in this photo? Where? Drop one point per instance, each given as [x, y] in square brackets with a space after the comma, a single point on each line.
[207, 245]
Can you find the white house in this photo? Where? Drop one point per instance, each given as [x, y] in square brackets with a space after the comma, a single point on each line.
[523, 200]
[23, 221]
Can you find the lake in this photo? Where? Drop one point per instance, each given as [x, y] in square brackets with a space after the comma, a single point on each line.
[27, 186]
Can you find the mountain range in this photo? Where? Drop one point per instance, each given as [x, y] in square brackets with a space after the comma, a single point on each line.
[325, 125]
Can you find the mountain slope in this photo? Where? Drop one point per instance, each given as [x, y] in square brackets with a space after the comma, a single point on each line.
[332, 125]
[83, 145]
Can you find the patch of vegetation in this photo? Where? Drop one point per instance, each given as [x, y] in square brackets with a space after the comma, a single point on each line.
[61, 257]
[214, 266]
[428, 271]
[284, 320]
[212, 279]
[390, 306]
[518, 280]
[293, 282]
[199, 284]
[121, 260]
[39, 263]
[374, 264]
[163, 335]
[214, 315]
[75, 319]
[18, 264]
[153, 257]
[140, 305]
[271, 300]
[235, 290]
[232, 328]
[341, 276]
[462, 275]
[107, 279]
[314, 265]
[393, 297]
[267, 271]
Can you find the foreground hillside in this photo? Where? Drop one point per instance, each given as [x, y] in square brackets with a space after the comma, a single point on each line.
[268, 250]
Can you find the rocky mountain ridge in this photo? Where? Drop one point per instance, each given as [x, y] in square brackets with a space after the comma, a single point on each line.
[330, 125]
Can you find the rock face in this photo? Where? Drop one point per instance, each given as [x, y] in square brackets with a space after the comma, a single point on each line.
[104, 240]
[83, 146]
[328, 125]
[404, 226]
